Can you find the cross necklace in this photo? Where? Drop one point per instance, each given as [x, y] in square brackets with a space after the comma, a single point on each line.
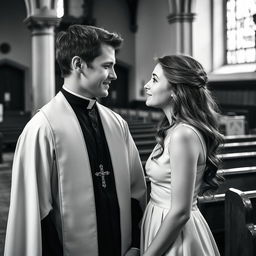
[102, 174]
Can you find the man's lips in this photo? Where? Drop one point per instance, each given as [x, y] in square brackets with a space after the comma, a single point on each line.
[106, 84]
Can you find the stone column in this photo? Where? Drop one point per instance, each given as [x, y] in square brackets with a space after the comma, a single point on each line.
[181, 19]
[42, 20]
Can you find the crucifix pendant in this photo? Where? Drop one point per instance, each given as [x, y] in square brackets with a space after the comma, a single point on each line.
[102, 174]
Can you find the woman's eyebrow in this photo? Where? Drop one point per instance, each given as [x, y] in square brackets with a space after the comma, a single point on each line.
[154, 75]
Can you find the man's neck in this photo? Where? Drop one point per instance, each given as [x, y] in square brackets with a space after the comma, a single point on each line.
[71, 83]
[67, 88]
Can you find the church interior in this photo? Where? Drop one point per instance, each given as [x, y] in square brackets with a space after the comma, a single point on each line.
[220, 34]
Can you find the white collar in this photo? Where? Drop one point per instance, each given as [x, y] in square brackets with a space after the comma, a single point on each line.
[91, 101]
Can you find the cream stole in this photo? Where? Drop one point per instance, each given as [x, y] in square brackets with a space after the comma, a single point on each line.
[75, 179]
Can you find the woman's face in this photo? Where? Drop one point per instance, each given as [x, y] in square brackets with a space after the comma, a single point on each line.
[158, 89]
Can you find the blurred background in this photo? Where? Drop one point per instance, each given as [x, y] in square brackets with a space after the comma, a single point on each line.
[221, 34]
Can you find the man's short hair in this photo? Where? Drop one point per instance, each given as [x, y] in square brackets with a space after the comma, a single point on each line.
[83, 41]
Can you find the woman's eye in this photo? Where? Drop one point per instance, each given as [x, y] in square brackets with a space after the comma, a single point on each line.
[154, 80]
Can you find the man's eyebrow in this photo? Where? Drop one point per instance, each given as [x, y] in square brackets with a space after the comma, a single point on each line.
[109, 63]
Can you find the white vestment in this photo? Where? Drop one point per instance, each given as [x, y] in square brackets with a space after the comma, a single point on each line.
[51, 172]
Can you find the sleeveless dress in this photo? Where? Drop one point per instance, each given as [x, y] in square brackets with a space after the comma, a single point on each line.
[195, 238]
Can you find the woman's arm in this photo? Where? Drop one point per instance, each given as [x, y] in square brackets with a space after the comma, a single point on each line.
[184, 150]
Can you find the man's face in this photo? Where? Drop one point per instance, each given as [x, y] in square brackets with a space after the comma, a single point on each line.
[98, 75]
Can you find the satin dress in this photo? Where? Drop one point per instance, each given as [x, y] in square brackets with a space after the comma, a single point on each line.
[195, 238]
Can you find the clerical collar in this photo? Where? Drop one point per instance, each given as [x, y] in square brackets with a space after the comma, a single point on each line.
[78, 99]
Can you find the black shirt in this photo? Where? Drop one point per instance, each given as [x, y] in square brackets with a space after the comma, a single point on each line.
[106, 202]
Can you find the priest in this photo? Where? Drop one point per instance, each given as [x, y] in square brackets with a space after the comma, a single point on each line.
[78, 186]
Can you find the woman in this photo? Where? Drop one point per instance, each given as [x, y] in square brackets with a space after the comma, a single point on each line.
[183, 163]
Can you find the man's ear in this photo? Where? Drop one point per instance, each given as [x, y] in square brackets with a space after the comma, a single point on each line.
[76, 63]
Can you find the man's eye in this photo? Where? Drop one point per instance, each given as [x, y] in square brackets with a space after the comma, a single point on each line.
[107, 66]
[154, 80]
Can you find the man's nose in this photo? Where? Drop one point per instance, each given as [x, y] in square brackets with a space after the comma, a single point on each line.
[112, 74]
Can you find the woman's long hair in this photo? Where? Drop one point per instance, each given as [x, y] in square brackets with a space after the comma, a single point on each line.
[192, 104]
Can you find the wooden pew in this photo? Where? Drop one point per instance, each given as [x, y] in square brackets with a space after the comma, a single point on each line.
[140, 126]
[240, 223]
[235, 147]
[243, 178]
[212, 208]
[240, 138]
[138, 115]
[234, 160]
[142, 137]
[12, 126]
[147, 130]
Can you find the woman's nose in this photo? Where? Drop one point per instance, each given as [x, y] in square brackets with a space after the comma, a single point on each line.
[146, 86]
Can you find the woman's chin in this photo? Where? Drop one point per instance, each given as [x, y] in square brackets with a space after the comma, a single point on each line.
[149, 104]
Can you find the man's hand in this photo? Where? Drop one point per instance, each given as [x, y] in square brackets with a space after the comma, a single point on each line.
[133, 252]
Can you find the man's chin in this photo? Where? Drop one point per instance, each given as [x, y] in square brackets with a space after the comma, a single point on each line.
[104, 94]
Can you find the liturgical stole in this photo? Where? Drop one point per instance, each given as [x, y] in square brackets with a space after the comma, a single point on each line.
[76, 194]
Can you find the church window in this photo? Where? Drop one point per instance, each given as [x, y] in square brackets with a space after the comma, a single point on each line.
[240, 29]
[60, 8]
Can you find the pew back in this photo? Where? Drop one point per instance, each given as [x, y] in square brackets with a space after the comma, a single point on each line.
[240, 219]
[12, 126]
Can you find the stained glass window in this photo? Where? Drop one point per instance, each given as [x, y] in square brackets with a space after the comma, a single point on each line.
[60, 8]
[240, 31]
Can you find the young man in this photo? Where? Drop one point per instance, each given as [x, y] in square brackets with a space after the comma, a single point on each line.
[78, 186]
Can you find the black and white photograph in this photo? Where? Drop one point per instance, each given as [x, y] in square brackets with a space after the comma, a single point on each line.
[128, 128]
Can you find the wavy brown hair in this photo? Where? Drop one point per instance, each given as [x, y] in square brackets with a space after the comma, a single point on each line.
[193, 104]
